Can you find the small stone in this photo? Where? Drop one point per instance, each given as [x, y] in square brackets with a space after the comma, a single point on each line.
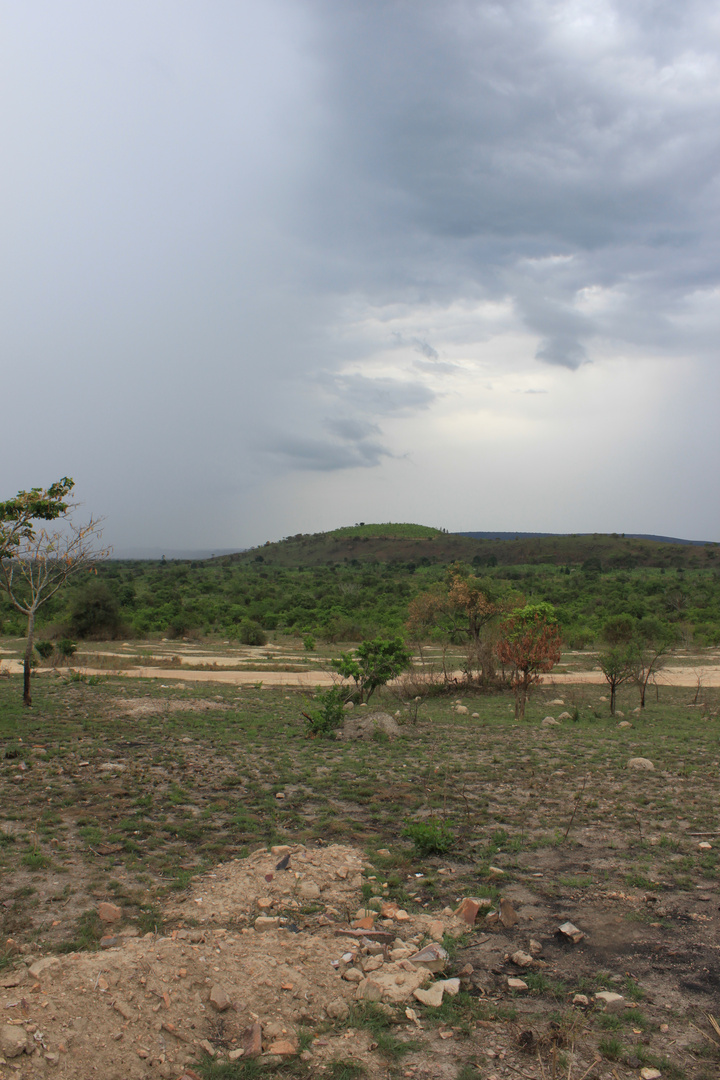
[614, 1003]
[432, 996]
[252, 1040]
[48, 967]
[352, 975]
[280, 849]
[461, 710]
[495, 872]
[436, 929]
[518, 985]
[568, 930]
[13, 1040]
[108, 912]
[624, 723]
[337, 1009]
[369, 990]
[476, 716]
[619, 713]
[550, 721]
[535, 948]
[704, 846]
[372, 963]
[565, 716]
[582, 1000]
[433, 958]
[650, 1074]
[451, 986]
[522, 959]
[52, 1059]
[235, 1055]
[468, 909]
[207, 1046]
[508, 915]
[309, 890]
[265, 922]
[283, 1048]
[641, 763]
[402, 916]
[219, 999]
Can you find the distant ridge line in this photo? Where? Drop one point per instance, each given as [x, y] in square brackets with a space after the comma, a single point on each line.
[627, 536]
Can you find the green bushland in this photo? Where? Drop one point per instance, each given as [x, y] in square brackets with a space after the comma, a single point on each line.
[343, 590]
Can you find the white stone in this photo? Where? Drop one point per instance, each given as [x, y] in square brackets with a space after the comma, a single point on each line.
[612, 1002]
[641, 763]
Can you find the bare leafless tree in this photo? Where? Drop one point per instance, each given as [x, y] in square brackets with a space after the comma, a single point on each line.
[39, 565]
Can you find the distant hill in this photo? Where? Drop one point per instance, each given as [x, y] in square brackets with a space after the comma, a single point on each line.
[630, 536]
[424, 545]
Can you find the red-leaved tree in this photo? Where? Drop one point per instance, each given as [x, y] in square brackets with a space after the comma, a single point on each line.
[530, 642]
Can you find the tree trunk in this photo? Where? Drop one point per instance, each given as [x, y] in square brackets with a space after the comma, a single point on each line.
[27, 700]
[613, 689]
[520, 700]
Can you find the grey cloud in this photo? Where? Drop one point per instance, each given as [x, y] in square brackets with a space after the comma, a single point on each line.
[562, 351]
[382, 396]
[325, 455]
[351, 429]
[425, 349]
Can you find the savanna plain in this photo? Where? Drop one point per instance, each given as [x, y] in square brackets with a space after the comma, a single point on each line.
[192, 885]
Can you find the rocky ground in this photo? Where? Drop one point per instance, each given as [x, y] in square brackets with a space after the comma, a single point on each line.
[275, 959]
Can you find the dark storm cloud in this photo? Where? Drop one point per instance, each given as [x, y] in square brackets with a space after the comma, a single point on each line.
[219, 213]
[466, 138]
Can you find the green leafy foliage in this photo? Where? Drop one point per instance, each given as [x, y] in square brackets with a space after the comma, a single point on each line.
[373, 664]
[429, 837]
[325, 715]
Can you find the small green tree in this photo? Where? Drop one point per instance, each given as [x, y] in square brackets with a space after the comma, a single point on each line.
[617, 666]
[530, 641]
[374, 664]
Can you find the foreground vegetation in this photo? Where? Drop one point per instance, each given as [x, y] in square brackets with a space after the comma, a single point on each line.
[126, 789]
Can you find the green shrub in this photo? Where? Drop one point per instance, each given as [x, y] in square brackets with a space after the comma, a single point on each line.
[66, 648]
[429, 837]
[44, 649]
[326, 716]
[251, 633]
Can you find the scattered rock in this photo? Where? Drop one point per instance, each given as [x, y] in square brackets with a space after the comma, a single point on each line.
[251, 1039]
[266, 922]
[518, 985]
[556, 701]
[535, 948]
[571, 932]
[624, 723]
[550, 721]
[109, 912]
[337, 1009]
[309, 890]
[462, 710]
[704, 846]
[436, 930]
[582, 1000]
[13, 1040]
[219, 999]
[47, 967]
[565, 716]
[522, 959]
[451, 986]
[508, 914]
[283, 1048]
[366, 725]
[614, 1003]
[432, 958]
[650, 1074]
[641, 763]
[432, 996]
[468, 909]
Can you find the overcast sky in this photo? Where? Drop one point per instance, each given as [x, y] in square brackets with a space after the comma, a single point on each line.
[276, 267]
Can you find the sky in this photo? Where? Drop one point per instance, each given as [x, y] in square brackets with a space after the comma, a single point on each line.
[276, 268]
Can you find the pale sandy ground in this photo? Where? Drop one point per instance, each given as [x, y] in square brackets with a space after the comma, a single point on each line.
[709, 675]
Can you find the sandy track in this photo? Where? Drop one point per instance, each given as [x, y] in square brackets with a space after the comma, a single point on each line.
[709, 675]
